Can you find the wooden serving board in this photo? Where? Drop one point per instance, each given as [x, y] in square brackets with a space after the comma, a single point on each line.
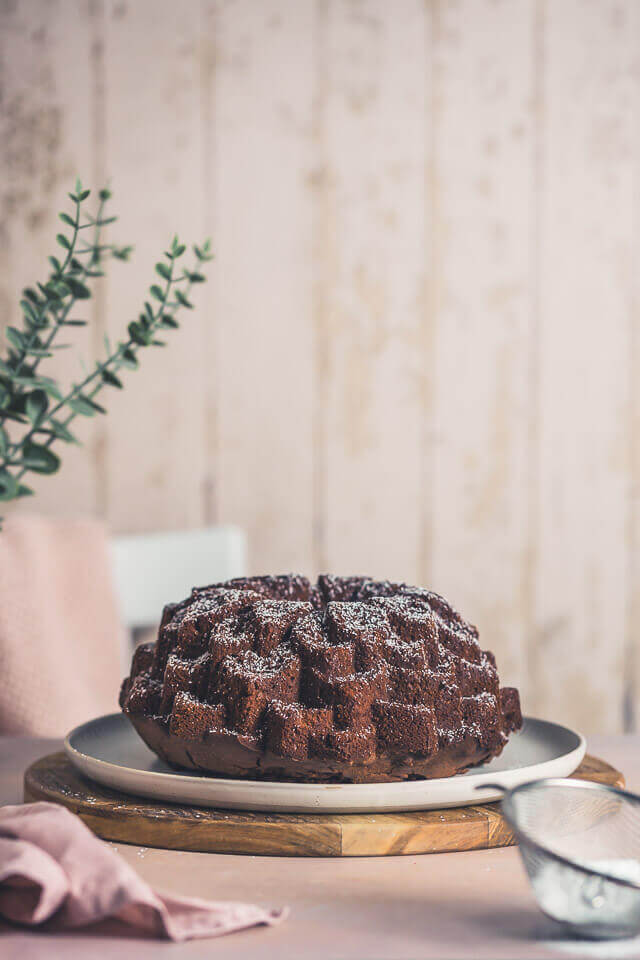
[118, 816]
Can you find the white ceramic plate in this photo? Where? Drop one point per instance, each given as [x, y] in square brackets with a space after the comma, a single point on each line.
[109, 750]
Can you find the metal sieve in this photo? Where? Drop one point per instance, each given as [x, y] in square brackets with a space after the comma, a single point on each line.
[580, 844]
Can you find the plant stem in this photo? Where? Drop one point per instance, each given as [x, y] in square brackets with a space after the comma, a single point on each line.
[34, 333]
[67, 309]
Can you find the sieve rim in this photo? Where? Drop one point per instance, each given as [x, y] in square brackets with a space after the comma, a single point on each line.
[523, 836]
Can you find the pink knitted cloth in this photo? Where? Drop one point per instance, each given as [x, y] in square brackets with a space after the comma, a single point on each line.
[60, 638]
[53, 870]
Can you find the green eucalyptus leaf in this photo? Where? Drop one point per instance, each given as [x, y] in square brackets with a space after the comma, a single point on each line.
[129, 359]
[137, 334]
[29, 311]
[16, 338]
[202, 253]
[63, 241]
[36, 405]
[85, 406]
[156, 292]
[24, 491]
[84, 194]
[17, 404]
[40, 459]
[111, 379]
[182, 300]
[31, 316]
[56, 289]
[8, 486]
[50, 388]
[177, 248]
[67, 219]
[168, 323]
[61, 431]
[78, 289]
[163, 270]
[49, 292]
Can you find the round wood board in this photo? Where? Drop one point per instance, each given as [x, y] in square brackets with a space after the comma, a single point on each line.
[118, 816]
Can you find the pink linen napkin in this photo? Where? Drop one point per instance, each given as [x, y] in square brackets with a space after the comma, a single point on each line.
[52, 868]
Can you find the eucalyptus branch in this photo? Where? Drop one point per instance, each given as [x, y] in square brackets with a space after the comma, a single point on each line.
[36, 404]
[46, 307]
[28, 347]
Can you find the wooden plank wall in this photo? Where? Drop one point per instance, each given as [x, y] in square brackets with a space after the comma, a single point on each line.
[416, 355]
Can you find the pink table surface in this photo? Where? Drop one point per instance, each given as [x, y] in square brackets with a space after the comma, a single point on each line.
[475, 904]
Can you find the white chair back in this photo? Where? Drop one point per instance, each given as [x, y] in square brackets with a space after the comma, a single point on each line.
[151, 569]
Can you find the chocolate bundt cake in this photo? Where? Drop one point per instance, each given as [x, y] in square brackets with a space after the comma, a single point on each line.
[350, 680]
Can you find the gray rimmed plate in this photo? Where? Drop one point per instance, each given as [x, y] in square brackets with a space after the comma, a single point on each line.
[109, 751]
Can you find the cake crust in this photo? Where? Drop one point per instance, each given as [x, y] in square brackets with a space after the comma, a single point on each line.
[345, 680]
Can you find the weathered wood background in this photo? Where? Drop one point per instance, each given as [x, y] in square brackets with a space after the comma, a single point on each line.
[416, 356]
